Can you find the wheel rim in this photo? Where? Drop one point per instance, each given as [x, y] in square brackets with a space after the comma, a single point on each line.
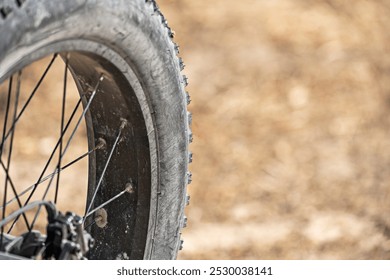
[112, 113]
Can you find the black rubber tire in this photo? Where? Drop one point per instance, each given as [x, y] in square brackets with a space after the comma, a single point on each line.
[130, 42]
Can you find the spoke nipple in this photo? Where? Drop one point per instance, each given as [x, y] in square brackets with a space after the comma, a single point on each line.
[101, 144]
[101, 218]
[101, 78]
[129, 188]
[124, 122]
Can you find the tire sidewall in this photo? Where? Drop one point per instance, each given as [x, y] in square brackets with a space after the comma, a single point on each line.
[134, 31]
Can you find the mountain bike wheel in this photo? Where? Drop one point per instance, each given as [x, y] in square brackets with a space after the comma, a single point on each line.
[125, 66]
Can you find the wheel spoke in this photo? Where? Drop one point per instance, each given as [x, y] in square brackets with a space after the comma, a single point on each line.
[6, 114]
[69, 142]
[10, 83]
[122, 126]
[62, 128]
[89, 225]
[13, 130]
[49, 160]
[28, 100]
[17, 196]
[54, 150]
[74, 131]
[129, 189]
[44, 179]
[6, 168]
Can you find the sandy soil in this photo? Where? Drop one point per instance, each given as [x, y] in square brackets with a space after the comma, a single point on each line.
[290, 104]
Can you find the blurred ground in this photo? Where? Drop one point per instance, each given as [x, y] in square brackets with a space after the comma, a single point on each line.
[291, 102]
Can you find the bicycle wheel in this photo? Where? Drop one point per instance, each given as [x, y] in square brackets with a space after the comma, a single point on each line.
[134, 106]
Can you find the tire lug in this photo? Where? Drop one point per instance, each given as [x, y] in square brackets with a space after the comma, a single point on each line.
[185, 220]
[190, 137]
[188, 97]
[190, 157]
[181, 63]
[171, 33]
[177, 48]
[20, 2]
[5, 11]
[185, 80]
